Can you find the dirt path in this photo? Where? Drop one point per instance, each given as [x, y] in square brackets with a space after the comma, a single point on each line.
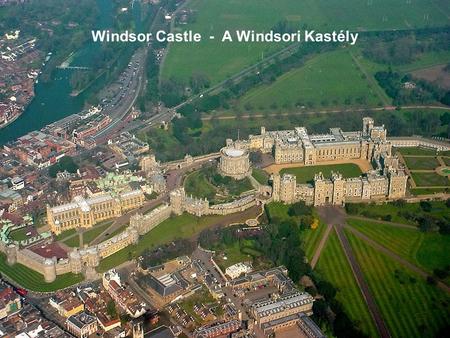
[363, 286]
[405, 263]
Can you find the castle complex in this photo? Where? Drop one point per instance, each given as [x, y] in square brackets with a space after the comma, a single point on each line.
[386, 180]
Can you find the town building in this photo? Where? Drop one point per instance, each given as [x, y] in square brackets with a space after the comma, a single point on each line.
[123, 297]
[238, 269]
[66, 303]
[9, 302]
[81, 325]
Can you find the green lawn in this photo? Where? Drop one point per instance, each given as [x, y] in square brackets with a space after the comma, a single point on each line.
[184, 226]
[333, 265]
[237, 252]
[429, 179]
[317, 83]
[410, 306]
[19, 235]
[63, 235]
[311, 238]
[428, 250]
[306, 174]
[198, 185]
[428, 191]
[412, 151]
[219, 60]
[261, 176]
[33, 280]
[73, 242]
[446, 160]
[400, 214]
[91, 234]
[421, 163]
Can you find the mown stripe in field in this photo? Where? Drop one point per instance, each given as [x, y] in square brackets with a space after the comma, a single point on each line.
[410, 306]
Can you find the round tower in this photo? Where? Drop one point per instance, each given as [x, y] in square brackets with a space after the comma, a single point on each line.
[11, 254]
[49, 269]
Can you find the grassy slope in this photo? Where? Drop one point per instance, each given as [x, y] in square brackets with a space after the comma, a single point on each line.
[184, 226]
[320, 78]
[333, 265]
[33, 280]
[306, 174]
[410, 306]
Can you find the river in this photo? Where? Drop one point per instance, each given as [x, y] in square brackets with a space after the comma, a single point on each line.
[52, 100]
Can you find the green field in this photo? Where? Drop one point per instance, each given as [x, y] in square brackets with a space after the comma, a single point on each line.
[306, 174]
[318, 83]
[429, 179]
[260, 175]
[19, 234]
[73, 242]
[421, 163]
[428, 191]
[399, 213]
[333, 265]
[311, 238]
[180, 227]
[410, 306]
[33, 280]
[219, 60]
[416, 151]
[427, 250]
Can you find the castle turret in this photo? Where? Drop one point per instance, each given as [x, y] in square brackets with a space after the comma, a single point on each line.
[49, 269]
[11, 254]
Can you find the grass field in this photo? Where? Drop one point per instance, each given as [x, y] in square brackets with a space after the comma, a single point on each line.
[19, 234]
[410, 306]
[33, 280]
[333, 265]
[421, 163]
[428, 191]
[184, 226]
[397, 214]
[427, 250]
[219, 60]
[306, 174]
[311, 238]
[412, 151]
[429, 179]
[318, 83]
[260, 175]
[73, 242]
